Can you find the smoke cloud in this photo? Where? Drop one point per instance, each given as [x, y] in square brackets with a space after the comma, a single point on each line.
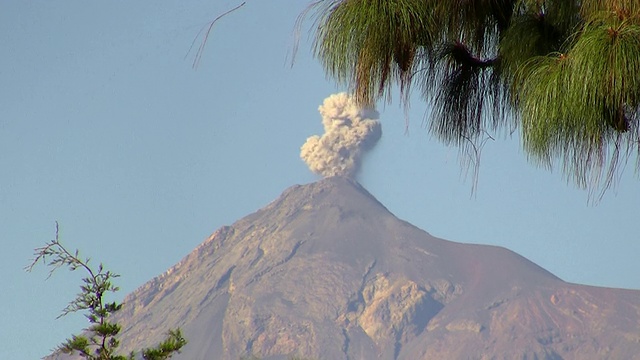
[349, 131]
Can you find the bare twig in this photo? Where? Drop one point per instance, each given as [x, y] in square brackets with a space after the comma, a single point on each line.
[198, 57]
[298, 27]
[470, 156]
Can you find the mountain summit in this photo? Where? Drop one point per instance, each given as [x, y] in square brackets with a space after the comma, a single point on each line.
[326, 271]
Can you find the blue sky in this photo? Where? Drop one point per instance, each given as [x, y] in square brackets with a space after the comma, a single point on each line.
[107, 128]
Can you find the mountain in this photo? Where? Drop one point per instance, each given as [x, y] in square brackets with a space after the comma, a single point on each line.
[326, 271]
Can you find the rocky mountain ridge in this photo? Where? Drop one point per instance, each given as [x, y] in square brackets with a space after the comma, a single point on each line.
[326, 271]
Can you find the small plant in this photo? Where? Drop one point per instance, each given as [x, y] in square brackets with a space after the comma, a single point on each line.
[99, 342]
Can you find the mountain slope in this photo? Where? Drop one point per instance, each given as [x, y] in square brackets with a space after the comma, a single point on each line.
[327, 271]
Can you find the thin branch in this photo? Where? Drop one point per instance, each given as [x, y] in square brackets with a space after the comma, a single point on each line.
[298, 27]
[61, 256]
[99, 341]
[470, 157]
[198, 57]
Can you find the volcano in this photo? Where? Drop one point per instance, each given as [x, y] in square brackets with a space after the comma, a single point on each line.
[327, 272]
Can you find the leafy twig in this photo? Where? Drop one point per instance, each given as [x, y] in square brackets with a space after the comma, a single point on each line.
[99, 342]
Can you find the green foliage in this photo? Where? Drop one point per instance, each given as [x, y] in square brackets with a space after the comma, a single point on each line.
[371, 44]
[174, 342]
[567, 73]
[99, 341]
[583, 107]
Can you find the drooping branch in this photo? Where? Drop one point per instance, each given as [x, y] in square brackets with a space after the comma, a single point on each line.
[567, 73]
[209, 27]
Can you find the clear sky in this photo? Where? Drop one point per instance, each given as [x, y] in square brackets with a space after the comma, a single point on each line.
[107, 128]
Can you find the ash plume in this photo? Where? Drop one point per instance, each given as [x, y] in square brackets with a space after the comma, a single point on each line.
[349, 131]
